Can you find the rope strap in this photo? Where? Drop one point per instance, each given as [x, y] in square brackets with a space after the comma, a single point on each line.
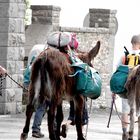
[17, 82]
[3, 77]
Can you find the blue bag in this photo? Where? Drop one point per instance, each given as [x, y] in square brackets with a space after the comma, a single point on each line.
[88, 80]
[118, 80]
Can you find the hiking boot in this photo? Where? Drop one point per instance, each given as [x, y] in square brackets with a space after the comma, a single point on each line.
[125, 136]
[37, 134]
[63, 133]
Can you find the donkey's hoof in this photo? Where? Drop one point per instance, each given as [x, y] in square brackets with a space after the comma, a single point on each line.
[81, 139]
[23, 136]
[125, 136]
[63, 133]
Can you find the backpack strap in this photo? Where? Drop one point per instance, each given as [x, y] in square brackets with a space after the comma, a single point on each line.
[126, 52]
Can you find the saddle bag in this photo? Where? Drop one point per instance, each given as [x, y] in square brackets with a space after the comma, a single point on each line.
[118, 80]
[88, 80]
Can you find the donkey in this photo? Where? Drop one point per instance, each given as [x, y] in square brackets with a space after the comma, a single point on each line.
[133, 94]
[50, 81]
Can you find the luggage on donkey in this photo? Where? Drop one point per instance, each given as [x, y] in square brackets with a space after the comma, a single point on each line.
[88, 80]
[118, 80]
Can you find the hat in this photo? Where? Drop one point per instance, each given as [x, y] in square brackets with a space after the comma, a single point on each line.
[61, 39]
[135, 39]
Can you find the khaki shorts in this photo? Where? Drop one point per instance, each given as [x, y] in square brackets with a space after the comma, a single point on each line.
[125, 106]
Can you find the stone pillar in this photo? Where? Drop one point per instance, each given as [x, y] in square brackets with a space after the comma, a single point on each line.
[105, 19]
[46, 14]
[12, 39]
[45, 19]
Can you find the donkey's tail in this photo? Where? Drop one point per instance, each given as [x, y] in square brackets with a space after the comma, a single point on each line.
[39, 87]
[35, 84]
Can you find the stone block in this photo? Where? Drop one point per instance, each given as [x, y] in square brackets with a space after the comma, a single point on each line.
[4, 25]
[18, 107]
[2, 95]
[103, 11]
[3, 53]
[16, 10]
[10, 96]
[12, 53]
[3, 39]
[45, 7]
[4, 10]
[11, 66]
[2, 108]
[15, 53]
[18, 79]
[8, 108]
[16, 25]
[18, 94]
[16, 39]
[12, 1]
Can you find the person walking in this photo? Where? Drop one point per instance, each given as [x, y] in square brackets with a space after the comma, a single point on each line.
[131, 61]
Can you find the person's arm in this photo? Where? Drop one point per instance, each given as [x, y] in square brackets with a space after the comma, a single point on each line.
[2, 70]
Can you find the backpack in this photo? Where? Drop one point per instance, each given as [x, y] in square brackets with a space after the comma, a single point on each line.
[88, 80]
[131, 59]
[118, 80]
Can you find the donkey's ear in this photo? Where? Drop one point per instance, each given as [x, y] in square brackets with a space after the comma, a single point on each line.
[93, 52]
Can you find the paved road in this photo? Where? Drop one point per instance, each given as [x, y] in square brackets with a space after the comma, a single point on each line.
[11, 127]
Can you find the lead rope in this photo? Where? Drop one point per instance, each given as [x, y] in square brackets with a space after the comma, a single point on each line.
[89, 118]
[119, 115]
[16, 82]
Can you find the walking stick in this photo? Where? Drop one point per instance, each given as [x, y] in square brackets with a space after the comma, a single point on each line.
[113, 100]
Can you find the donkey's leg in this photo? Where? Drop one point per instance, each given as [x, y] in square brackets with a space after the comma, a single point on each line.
[139, 128]
[29, 112]
[51, 121]
[79, 102]
[131, 127]
[59, 119]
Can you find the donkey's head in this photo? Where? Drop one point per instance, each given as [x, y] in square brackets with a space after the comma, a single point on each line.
[87, 57]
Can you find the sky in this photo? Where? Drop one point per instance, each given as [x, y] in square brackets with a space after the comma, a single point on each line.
[73, 13]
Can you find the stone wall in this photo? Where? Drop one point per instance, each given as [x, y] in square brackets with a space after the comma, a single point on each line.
[103, 27]
[12, 39]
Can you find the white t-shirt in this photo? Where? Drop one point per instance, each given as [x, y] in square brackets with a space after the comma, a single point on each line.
[35, 51]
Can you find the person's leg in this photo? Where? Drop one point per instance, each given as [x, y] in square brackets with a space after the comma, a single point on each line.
[40, 112]
[85, 114]
[125, 118]
[71, 118]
